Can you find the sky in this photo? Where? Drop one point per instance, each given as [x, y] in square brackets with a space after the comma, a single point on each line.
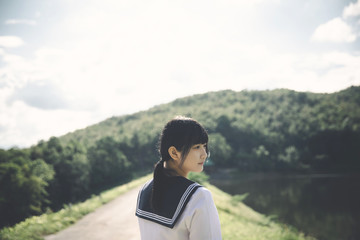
[65, 65]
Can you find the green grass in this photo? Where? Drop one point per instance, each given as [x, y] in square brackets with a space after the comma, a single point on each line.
[238, 221]
[36, 227]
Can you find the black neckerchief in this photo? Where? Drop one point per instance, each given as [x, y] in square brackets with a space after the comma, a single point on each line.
[178, 193]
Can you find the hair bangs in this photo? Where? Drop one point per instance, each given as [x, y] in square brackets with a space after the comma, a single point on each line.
[199, 136]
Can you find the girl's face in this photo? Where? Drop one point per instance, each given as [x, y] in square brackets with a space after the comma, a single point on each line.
[194, 161]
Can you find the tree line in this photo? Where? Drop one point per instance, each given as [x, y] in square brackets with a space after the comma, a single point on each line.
[279, 130]
[46, 176]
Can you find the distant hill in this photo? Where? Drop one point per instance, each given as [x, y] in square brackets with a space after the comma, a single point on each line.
[303, 127]
[285, 110]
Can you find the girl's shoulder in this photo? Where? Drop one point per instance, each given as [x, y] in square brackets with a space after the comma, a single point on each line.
[203, 191]
[202, 195]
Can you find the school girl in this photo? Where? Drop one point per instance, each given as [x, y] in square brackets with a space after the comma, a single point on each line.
[170, 206]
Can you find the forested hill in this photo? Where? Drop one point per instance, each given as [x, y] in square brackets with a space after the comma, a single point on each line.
[278, 130]
[267, 112]
[252, 129]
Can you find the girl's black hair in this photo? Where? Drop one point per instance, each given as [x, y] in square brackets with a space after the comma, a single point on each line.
[182, 133]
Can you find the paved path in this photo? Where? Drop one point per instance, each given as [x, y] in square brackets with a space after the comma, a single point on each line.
[115, 220]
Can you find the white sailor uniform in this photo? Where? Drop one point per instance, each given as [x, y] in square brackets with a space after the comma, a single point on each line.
[188, 213]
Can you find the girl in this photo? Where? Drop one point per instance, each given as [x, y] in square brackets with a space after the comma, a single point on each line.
[170, 206]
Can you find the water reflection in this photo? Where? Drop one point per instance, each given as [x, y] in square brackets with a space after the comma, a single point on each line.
[324, 206]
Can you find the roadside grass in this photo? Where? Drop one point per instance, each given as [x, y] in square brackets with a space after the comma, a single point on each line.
[35, 228]
[237, 220]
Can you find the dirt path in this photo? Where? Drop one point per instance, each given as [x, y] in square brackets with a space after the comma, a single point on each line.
[114, 220]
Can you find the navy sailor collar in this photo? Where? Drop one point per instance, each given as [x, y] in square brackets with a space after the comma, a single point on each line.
[176, 197]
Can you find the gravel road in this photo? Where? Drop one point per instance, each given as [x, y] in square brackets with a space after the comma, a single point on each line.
[115, 220]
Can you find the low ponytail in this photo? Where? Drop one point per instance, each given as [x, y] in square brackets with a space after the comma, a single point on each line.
[158, 185]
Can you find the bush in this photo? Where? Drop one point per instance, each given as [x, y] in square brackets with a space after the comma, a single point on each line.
[200, 178]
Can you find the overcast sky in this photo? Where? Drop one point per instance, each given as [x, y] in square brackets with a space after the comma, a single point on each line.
[65, 65]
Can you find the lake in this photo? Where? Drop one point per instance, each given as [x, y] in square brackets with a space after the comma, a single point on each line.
[326, 206]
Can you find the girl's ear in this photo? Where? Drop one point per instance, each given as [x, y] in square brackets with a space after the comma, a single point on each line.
[174, 153]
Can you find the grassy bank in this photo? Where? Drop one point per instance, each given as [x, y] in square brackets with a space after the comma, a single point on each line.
[237, 220]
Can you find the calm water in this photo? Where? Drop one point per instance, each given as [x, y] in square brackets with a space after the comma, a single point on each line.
[324, 206]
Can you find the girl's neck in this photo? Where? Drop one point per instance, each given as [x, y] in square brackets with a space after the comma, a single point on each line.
[171, 165]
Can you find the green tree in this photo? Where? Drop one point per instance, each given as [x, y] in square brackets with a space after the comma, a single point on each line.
[72, 177]
[290, 157]
[22, 186]
[108, 163]
[262, 158]
[220, 150]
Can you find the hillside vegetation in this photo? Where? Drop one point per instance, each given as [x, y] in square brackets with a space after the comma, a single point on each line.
[279, 130]
[257, 130]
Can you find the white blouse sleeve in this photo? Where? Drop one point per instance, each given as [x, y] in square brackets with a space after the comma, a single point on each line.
[204, 223]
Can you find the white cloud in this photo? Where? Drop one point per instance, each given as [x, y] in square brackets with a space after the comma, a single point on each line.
[10, 41]
[336, 30]
[54, 79]
[20, 21]
[352, 10]
[42, 96]
[332, 71]
[24, 125]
